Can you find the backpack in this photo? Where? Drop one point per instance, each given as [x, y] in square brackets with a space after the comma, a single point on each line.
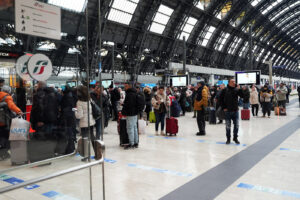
[3, 110]
[96, 110]
[140, 102]
[5, 113]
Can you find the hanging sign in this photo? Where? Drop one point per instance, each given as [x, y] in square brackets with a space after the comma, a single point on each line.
[39, 67]
[38, 19]
[21, 67]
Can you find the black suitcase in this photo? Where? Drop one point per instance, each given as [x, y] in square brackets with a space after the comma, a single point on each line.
[212, 116]
[124, 140]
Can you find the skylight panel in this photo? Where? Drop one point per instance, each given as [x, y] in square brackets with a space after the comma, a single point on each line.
[71, 5]
[223, 40]
[188, 28]
[122, 11]
[270, 7]
[255, 2]
[202, 4]
[284, 10]
[46, 46]
[161, 19]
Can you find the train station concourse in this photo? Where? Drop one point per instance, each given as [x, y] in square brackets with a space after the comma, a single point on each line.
[149, 100]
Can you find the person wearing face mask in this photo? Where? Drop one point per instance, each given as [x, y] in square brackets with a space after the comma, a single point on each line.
[265, 99]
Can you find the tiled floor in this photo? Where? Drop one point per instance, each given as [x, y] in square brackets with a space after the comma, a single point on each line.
[162, 164]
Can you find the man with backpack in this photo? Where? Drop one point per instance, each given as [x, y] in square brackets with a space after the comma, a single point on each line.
[7, 106]
[134, 103]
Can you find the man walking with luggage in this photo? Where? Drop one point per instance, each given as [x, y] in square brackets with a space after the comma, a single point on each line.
[229, 103]
[201, 102]
[130, 110]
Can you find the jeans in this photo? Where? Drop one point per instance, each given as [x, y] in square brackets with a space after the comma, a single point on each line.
[282, 103]
[234, 116]
[201, 120]
[115, 110]
[266, 108]
[246, 106]
[98, 128]
[160, 118]
[132, 131]
[255, 108]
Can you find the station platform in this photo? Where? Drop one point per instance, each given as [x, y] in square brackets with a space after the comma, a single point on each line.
[264, 166]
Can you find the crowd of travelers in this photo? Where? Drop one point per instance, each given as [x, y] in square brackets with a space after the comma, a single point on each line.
[56, 111]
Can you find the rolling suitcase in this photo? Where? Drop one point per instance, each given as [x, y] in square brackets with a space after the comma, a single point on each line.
[171, 126]
[245, 114]
[282, 111]
[19, 152]
[212, 116]
[124, 140]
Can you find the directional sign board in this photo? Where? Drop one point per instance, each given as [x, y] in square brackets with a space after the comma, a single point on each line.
[38, 19]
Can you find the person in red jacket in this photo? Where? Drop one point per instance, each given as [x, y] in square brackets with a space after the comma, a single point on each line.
[4, 127]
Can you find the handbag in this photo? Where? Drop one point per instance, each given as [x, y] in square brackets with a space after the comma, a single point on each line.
[19, 129]
[96, 110]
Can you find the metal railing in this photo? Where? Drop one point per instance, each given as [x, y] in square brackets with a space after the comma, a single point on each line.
[50, 176]
[34, 164]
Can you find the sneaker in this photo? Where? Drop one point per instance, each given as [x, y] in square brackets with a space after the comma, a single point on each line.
[236, 141]
[228, 141]
[220, 122]
[269, 116]
[200, 134]
[156, 133]
[162, 133]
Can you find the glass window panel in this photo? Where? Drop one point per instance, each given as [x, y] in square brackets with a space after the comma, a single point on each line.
[161, 18]
[166, 10]
[204, 43]
[122, 11]
[76, 6]
[187, 35]
[157, 28]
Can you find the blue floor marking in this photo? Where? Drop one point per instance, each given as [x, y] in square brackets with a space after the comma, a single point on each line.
[213, 142]
[269, 190]
[56, 195]
[166, 137]
[164, 171]
[14, 181]
[287, 149]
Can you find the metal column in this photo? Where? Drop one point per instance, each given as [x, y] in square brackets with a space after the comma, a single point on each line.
[184, 55]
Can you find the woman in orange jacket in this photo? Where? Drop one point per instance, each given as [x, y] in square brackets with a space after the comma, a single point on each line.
[4, 127]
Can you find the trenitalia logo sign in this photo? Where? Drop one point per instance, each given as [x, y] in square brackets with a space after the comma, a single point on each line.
[40, 67]
[37, 67]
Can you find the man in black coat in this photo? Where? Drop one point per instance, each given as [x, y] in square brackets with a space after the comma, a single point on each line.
[45, 107]
[229, 102]
[131, 112]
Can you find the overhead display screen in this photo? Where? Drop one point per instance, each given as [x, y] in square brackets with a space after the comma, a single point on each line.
[248, 78]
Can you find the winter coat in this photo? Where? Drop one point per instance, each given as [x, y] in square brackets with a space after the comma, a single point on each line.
[45, 107]
[67, 103]
[246, 96]
[281, 96]
[148, 99]
[229, 98]
[10, 103]
[254, 97]
[201, 99]
[115, 95]
[266, 95]
[82, 114]
[129, 106]
[165, 102]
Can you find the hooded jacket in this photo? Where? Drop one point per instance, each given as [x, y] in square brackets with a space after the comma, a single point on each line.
[201, 98]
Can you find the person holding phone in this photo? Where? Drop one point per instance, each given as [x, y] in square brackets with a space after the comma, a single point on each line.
[229, 103]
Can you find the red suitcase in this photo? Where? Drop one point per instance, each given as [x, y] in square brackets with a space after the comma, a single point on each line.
[245, 114]
[171, 126]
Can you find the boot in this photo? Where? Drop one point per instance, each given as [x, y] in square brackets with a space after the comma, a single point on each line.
[228, 141]
[236, 141]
